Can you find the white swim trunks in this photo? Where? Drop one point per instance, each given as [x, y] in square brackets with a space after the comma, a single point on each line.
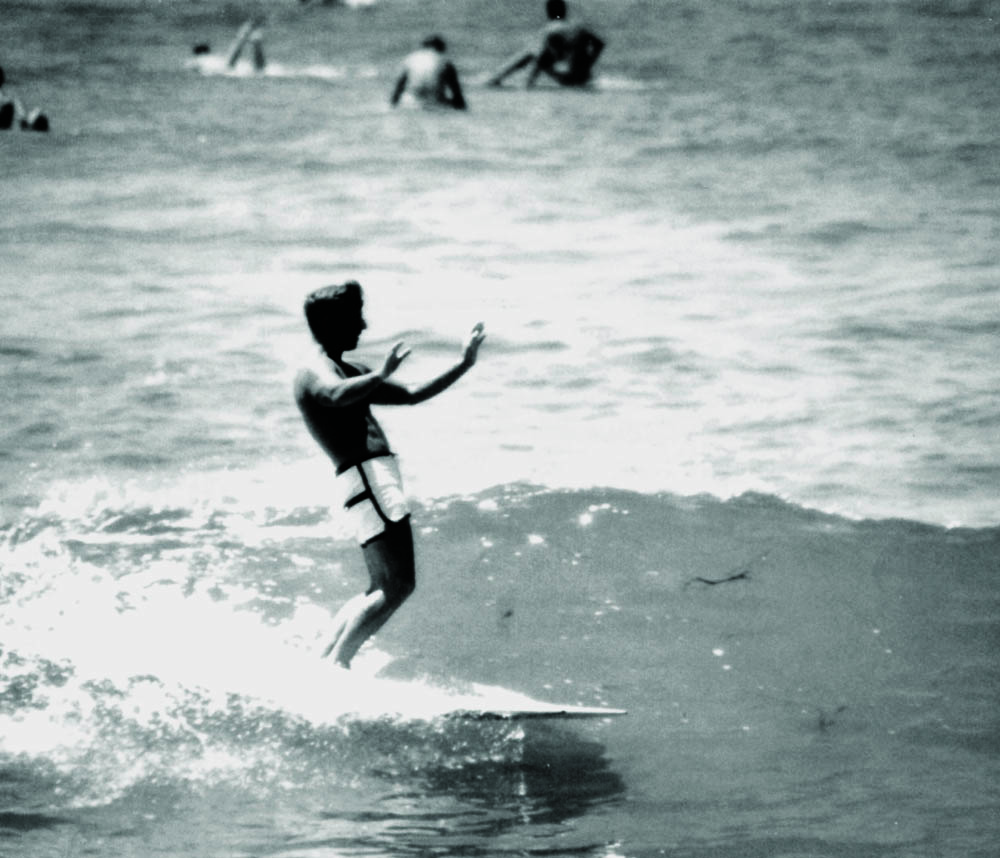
[373, 497]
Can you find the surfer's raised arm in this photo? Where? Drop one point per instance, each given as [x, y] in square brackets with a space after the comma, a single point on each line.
[392, 393]
[357, 383]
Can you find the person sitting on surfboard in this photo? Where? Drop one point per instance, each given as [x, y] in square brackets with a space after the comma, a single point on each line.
[430, 77]
[567, 52]
[335, 400]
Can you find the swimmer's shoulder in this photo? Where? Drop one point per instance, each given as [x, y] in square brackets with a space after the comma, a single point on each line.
[322, 373]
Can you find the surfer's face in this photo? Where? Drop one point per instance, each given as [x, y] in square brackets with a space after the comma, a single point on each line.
[348, 332]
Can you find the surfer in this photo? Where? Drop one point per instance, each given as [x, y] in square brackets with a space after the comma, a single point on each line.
[567, 52]
[335, 400]
[430, 77]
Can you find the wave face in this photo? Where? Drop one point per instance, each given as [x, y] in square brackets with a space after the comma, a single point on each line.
[793, 679]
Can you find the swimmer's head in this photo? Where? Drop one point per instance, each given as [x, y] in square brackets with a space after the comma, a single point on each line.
[201, 48]
[555, 9]
[435, 43]
[334, 316]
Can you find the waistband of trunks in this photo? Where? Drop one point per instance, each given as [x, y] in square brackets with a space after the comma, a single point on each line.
[343, 469]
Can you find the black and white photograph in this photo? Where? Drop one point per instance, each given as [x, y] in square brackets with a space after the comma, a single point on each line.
[499, 428]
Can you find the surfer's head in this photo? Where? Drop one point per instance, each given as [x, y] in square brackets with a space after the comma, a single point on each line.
[435, 43]
[334, 316]
[555, 9]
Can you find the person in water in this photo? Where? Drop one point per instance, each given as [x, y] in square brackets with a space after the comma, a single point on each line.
[12, 111]
[251, 32]
[430, 77]
[335, 400]
[567, 52]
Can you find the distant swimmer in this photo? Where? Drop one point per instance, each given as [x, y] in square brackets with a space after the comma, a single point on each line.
[429, 77]
[9, 106]
[567, 52]
[12, 112]
[251, 33]
[335, 400]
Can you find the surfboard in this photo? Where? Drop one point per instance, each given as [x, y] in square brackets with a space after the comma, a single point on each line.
[541, 710]
[478, 702]
[356, 696]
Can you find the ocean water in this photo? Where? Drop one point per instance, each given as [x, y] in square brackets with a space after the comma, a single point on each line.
[728, 459]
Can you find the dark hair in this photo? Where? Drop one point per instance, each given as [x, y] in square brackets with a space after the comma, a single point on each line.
[555, 9]
[435, 42]
[2, 78]
[326, 306]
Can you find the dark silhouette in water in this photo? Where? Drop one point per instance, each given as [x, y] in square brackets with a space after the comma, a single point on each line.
[11, 111]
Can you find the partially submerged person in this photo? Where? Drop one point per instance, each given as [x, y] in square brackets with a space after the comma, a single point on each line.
[252, 33]
[567, 52]
[430, 77]
[335, 400]
[11, 111]
[9, 106]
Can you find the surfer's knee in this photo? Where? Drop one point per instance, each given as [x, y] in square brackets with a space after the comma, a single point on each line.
[390, 562]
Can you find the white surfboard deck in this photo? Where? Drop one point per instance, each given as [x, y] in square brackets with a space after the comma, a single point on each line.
[354, 696]
[540, 710]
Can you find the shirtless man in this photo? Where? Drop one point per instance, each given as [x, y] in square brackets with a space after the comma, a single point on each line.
[567, 52]
[335, 402]
[430, 77]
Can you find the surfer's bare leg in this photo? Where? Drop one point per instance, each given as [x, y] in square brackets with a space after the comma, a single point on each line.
[348, 616]
[390, 562]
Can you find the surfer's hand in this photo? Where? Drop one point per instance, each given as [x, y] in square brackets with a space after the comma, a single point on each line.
[474, 342]
[393, 360]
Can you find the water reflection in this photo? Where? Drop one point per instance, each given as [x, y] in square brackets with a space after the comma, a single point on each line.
[519, 799]
[558, 775]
